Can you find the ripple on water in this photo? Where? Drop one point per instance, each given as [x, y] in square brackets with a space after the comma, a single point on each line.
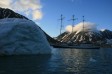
[62, 61]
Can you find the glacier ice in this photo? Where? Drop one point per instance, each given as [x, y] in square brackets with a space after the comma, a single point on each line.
[21, 37]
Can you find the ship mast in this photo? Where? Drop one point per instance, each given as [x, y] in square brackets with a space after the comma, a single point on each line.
[61, 19]
[73, 19]
[83, 26]
[83, 23]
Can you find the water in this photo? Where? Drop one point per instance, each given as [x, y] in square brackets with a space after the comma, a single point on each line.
[62, 61]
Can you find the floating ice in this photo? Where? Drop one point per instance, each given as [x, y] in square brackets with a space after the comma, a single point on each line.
[21, 36]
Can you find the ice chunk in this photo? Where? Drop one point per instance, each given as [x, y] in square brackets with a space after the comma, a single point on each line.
[21, 36]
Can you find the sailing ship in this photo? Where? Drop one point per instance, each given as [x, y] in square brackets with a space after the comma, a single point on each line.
[81, 45]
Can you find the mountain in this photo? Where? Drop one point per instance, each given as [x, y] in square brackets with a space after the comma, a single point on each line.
[7, 13]
[106, 34]
[51, 40]
[21, 36]
[87, 36]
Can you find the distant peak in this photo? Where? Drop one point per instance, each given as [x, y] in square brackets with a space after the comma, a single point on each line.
[103, 29]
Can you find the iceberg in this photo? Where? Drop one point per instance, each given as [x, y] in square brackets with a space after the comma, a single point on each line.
[22, 37]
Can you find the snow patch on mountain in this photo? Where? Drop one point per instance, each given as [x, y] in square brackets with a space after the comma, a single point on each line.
[109, 41]
[102, 30]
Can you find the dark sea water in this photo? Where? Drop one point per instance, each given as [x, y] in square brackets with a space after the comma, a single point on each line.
[62, 61]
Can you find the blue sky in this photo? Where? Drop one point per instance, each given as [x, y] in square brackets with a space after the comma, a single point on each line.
[95, 11]
[46, 13]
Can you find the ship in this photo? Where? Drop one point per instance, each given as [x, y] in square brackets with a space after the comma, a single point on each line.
[82, 45]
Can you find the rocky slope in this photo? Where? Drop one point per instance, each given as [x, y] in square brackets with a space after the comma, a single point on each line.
[88, 36]
[7, 13]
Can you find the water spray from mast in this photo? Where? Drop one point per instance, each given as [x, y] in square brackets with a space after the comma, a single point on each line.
[61, 19]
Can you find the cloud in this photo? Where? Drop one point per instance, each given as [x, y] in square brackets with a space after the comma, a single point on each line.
[37, 14]
[5, 3]
[30, 8]
[69, 28]
[88, 26]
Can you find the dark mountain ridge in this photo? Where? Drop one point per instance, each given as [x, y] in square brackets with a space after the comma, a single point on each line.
[87, 37]
[8, 13]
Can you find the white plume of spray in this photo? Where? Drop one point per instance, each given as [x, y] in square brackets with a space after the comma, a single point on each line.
[31, 8]
[88, 26]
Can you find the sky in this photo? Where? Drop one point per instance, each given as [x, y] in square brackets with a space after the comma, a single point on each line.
[46, 13]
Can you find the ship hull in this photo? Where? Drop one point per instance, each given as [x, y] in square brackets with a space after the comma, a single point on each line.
[77, 46]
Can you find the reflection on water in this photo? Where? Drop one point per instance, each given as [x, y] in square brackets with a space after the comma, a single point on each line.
[83, 61]
[62, 61]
